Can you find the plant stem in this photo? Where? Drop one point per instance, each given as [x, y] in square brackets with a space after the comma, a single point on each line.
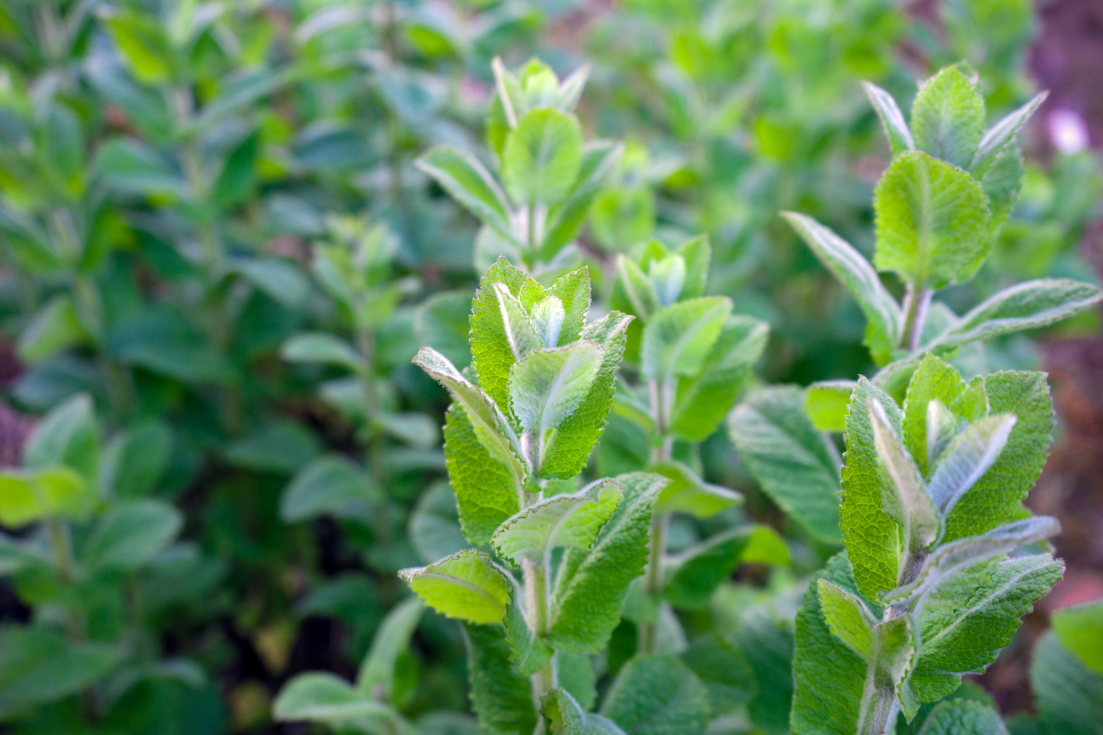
[647, 631]
[916, 303]
[538, 603]
[61, 544]
[879, 709]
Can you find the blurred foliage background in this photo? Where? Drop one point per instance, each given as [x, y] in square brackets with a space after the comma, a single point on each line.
[198, 199]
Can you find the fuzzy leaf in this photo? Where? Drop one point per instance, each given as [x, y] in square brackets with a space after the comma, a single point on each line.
[967, 458]
[576, 436]
[792, 461]
[963, 717]
[561, 521]
[547, 317]
[599, 162]
[470, 184]
[933, 380]
[705, 398]
[905, 498]
[527, 651]
[634, 288]
[688, 493]
[948, 117]
[892, 119]
[847, 618]
[376, 677]
[678, 339]
[487, 493]
[500, 696]
[1025, 306]
[694, 574]
[658, 695]
[932, 222]
[1002, 134]
[564, 716]
[542, 157]
[467, 586]
[825, 403]
[872, 538]
[322, 697]
[592, 585]
[856, 274]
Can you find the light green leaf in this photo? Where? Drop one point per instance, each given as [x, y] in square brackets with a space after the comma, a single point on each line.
[142, 45]
[28, 496]
[500, 696]
[138, 459]
[904, 497]
[573, 291]
[825, 403]
[542, 157]
[948, 559]
[39, 667]
[968, 619]
[856, 274]
[279, 446]
[657, 695]
[1025, 306]
[678, 339]
[55, 328]
[948, 117]
[967, 458]
[564, 716]
[561, 521]
[547, 319]
[576, 437]
[599, 161]
[441, 322]
[377, 671]
[873, 539]
[469, 183]
[278, 278]
[468, 586]
[1067, 694]
[68, 436]
[635, 288]
[591, 586]
[520, 334]
[527, 650]
[434, 528]
[492, 428]
[330, 485]
[847, 618]
[511, 95]
[322, 697]
[932, 222]
[129, 535]
[694, 574]
[933, 380]
[794, 463]
[1003, 134]
[963, 717]
[703, 400]
[688, 493]
[892, 119]
[1001, 183]
[1080, 629]
[324, 348]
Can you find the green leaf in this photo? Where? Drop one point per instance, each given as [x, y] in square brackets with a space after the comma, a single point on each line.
[634, 290]
[932, 222]
[1025, 306]
[68, 436]
[468, 586]
[1080, 629]
[564, 716]
[434, 528]
[470, 184]
[138, 459]
[501, 697]
[28, 496]
[825, 403]
[694, 574]
[704, 399]
[238, 177]
[599, 161]
[130, 535]
[376, 677]
[492, 428]
[1002, 134]
[330, 485]
[163, 341]
[967, 458]
[968, 619]
[892, 119]
[948, 117]
[322, 347]
[591, 587]
[1001, 183]
[546, 387]
[322, 697]
[38, 667]
[847, 618]
[542, 157]
[688, 493]
[577, 677]
[963, 717]
[997, 496]
[442, 323]
[527, 650]
[904, 495]
[658, 695]
[576, 437]
[561, 521]
[855, 273]
[679, 339]
[132, 167]
[948, 559]
[794, 464]
[1067, 694]
[487, 493]
[872, 538]
[142, 45]
[55, 328]
[280, 446]
[933, 380]
[278, 278]
[724, 670]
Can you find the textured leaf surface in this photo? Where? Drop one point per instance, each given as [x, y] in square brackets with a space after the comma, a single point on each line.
[1068, 695]
[487, 493]
[592, 585]
[542, 157]
[323, 697]
[1003, 134]
[658, 695]
[790, 459]
[932, 380]
[906, 500]
[501, 697]
[678, 339]
[1024, 306]
[963, 717]
[688, 493]
[705, 398]
[470, 184]
[599, 162]
[932, 222]
[967, 457]
[873, 539]
[948, 118]
[565, 717]
[467, 586]
[561, 521]
[858, 277]
[892, 119]
[847, 618]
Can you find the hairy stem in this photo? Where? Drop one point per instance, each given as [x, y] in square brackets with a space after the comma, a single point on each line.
[538, 603]
[916, 303]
